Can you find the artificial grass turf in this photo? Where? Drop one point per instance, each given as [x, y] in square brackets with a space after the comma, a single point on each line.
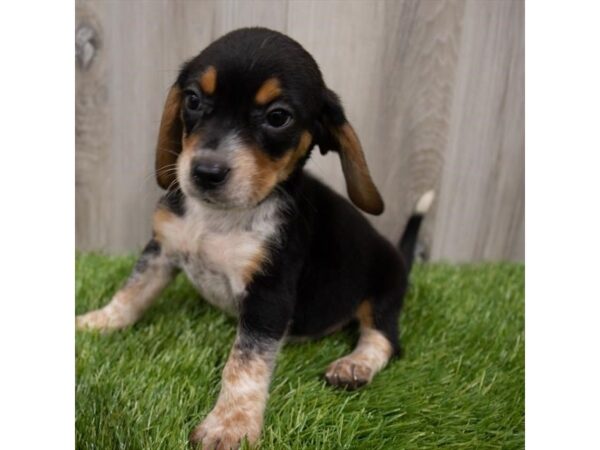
[460, 383]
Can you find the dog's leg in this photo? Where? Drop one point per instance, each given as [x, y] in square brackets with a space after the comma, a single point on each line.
[151, 274]
[371, 354]
[265, 314]
[239, 410]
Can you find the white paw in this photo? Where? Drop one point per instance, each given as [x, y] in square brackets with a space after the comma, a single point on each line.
[348, 373]
[101, 319]
[225, 430]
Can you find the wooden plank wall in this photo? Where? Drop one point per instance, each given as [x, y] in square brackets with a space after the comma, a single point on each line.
[434, 88]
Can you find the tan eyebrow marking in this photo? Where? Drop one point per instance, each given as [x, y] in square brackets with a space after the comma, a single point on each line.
[208, 80]
[270, 90]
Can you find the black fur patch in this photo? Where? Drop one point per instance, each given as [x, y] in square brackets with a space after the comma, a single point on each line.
[151, 251]
[174, 201]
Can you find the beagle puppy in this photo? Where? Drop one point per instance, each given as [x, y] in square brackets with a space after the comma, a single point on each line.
[258, 236]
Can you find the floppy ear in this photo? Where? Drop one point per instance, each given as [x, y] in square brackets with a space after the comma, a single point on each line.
[168, 146]
[337, 134]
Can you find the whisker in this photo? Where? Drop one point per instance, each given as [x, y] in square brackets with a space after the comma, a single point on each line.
[171, 192]
[169, 168]
[172, 152]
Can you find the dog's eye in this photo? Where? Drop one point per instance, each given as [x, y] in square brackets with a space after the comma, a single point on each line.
[278, 118]
[192, 102]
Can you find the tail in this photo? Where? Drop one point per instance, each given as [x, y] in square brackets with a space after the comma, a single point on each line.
[411, 232]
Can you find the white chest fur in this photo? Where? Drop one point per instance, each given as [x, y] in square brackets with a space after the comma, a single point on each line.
[220, 250]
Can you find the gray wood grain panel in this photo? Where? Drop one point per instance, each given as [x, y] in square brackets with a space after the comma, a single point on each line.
[481, 205]
[433, 88]
[92, 138]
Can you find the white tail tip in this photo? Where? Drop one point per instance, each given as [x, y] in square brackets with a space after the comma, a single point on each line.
[425, 202]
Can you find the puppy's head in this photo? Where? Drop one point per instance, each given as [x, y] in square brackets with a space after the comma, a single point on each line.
[243, 117]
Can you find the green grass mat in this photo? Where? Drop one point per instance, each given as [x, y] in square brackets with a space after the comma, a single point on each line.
[460, 384]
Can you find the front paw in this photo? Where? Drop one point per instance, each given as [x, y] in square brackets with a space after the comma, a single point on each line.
[348, 373]
[103, 319]
[225, 430]
[94, 320]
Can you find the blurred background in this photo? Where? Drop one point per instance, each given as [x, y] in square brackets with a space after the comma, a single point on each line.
[434, 89]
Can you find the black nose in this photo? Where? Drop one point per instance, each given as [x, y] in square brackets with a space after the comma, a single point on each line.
[209, 174]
